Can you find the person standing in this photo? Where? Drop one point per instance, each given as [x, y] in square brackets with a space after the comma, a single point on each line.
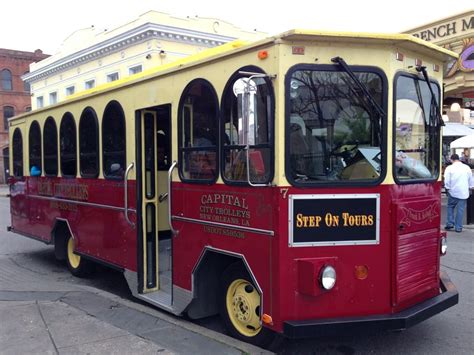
[458, 180]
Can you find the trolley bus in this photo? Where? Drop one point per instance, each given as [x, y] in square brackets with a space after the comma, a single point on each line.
[291, 185]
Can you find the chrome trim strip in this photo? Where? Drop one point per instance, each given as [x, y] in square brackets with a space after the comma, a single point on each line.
[82, 203]
[224, 225]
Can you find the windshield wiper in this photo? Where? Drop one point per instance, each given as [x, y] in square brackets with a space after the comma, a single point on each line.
[434, 107]
[363, 88]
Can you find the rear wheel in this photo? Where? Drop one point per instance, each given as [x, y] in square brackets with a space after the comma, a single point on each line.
[75, 263]
[239, 306]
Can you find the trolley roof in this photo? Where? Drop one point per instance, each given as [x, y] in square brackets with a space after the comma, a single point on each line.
[405, 41]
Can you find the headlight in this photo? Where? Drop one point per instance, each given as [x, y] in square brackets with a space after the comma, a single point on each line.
[328, 277]
[443, 246]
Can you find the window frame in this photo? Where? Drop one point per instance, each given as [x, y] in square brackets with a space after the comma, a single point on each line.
[67, 115]
[40, 102]
[271, 125]
[124, 120]
[131, 68]
[26, 85]
[394, 132]
[182, 150]
[52, 174]
[8, 79]
[6, 126]
[108, 77]
[88, 82]
[54, 95]
[37, 126]
[70, 90]
[97, 147]
[383, 125]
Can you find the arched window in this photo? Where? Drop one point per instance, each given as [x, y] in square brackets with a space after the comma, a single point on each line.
[34, 144]
[7, 83]
[8, 111]
[113, 141]
[257, 131]
[198, 132]
[50, 147]
[89, 144]
[68, 146]
[17, 153]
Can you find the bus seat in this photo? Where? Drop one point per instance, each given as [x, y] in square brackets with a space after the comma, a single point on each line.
[257, 162]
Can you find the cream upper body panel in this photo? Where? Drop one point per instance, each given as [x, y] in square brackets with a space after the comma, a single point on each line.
[165, 84]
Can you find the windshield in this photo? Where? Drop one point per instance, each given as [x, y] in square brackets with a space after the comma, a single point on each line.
[416, 130]
[333, 130]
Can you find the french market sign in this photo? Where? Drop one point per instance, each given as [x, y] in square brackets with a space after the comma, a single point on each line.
[445, 30]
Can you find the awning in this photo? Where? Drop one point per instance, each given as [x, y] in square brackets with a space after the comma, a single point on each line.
[456, 130]
[463, 142]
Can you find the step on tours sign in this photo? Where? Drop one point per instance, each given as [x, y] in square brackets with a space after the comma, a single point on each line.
[339, 219]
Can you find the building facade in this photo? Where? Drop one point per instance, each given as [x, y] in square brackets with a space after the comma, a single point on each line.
[14, 94]
[457, 34]
[89, 57]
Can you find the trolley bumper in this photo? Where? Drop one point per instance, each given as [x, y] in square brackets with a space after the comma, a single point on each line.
[398, 321]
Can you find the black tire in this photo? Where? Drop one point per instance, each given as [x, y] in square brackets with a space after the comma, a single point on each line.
[243, 320]
[75, 263]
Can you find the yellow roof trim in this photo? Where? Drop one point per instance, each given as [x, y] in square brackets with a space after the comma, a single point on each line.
[395, 37]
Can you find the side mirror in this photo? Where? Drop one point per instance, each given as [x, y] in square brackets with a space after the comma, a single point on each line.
[245, 89]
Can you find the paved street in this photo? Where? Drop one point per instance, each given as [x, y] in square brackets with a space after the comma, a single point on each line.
[43, 309]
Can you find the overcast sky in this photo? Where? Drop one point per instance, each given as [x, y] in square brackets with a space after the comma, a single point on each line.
[44, 24]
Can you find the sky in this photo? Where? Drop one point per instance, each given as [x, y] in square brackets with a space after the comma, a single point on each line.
[29, 25]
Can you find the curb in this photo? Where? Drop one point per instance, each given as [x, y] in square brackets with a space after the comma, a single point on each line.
[245, 348]
[150, 310]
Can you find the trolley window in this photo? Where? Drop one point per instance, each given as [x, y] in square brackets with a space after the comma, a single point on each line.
[89, 144]
[50, 148]
[113, 141]
[417, 129]
[256, 129]
[198, 133]
[17, 146]
[68, 146]
[334, 131]
[34, 143]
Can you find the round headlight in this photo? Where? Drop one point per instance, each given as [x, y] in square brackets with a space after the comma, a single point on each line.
[443, 246]
[328, 277]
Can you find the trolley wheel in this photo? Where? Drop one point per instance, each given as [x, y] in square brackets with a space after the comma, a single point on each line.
[76, 265]
[239, 307]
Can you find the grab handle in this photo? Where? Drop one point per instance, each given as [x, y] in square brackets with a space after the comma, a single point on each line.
[125, 184]
[170, 196]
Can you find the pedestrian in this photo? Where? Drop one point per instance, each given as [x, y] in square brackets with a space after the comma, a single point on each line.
[458, 180]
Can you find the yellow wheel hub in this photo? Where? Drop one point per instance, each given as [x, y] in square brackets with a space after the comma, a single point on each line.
[74, 259]
[243, 303]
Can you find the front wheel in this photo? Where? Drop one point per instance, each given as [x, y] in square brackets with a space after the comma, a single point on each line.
[239, 307]
[75, 263]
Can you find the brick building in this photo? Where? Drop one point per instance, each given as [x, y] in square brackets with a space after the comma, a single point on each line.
[14, 94]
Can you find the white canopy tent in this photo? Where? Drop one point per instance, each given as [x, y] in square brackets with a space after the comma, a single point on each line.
[463, 142]
[456, 129]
